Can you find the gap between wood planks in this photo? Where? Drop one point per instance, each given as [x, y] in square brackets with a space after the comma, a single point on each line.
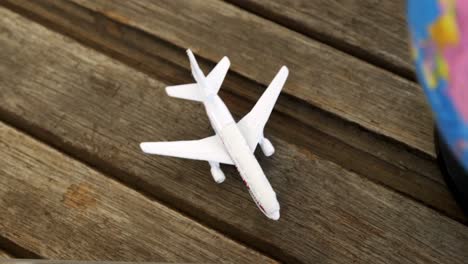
[260, 9]
[142, 98]
[10, 249]
[417, 164]
[4, 255]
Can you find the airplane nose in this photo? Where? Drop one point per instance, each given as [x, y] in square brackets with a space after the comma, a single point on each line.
[275, 216]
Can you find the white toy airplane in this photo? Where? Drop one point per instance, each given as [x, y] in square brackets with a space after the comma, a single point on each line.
[234, 143]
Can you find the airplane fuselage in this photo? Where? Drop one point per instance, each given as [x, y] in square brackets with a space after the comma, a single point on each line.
[250, 170]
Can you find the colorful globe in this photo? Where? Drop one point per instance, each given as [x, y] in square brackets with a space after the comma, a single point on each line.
[439, 36]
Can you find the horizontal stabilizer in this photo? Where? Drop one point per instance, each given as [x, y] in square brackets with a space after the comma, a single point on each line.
[186, 91]
[216, 77]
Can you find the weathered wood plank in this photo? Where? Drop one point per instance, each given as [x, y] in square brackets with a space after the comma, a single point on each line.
[61, 209]
[98, 109]
[372, 30]
[339, 83]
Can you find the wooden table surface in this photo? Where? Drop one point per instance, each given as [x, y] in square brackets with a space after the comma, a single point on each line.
[82, 83]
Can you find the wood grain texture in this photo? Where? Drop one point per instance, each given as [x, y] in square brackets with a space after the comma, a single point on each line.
[372, 30]
[61, 209]
[99, 110]
[353, 148]
[326, 78]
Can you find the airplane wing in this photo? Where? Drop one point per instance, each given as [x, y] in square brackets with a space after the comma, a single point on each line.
[253, 123]
[217, 75]
[208, 149]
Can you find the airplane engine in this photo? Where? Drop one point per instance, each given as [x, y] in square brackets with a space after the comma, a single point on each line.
[218, 174]
[267, 147]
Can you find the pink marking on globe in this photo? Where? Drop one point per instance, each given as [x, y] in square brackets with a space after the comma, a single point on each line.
[457, 59]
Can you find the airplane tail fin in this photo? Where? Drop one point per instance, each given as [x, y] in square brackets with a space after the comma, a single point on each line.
[196, 71]
[204, 86]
